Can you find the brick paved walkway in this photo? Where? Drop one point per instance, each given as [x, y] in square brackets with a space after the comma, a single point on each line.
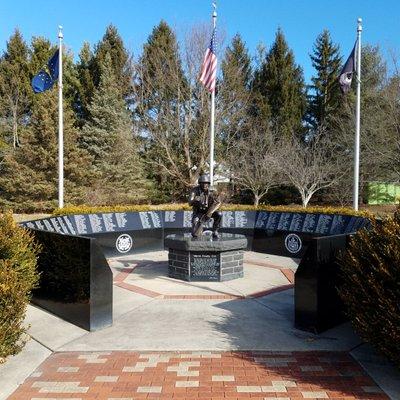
[199, 375]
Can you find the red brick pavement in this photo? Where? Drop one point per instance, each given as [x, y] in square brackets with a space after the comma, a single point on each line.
[119, 280]
[199, 375]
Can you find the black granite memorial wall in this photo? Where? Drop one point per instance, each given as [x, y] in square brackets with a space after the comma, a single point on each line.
[75, 280]
[280, 233]
[310, 236]
[317, 303]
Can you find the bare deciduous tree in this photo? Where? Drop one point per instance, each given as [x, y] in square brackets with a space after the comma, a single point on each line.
[253, 162]
[311, 166]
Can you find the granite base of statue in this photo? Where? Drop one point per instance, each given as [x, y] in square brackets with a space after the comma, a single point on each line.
[205, 259]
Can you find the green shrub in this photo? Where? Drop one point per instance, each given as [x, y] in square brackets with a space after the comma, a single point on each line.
[18, 276]
[83, 209]
[371, 289]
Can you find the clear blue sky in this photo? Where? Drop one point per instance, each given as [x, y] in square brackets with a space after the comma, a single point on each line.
[255, 20]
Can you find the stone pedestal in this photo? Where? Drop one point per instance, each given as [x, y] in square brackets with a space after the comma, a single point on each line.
[205, 259]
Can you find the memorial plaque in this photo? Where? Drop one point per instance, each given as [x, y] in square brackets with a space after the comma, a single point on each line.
[244, 219]
[204, 266]
[262, 219]
[96, 223]
[39, 225]
[173, 219]
[121, 220]
[137, 221]
[29, 225]
[187, 219]
[284, 222]
[350, 225]
[48, 226]
[273, 220]
[297, 222]
[169, 216]
[323, 224]
[109, 221]
[339, 223]
[228, 219]
[155, 219]
[310, 223]
[57, 226]
[81, 223]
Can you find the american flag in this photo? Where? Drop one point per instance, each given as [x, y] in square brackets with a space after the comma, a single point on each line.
[208, 75]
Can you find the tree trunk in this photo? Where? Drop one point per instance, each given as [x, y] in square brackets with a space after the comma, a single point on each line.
[256, 199]
[15, 129]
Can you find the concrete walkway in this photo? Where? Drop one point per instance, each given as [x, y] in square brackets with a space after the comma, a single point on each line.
[186, 325]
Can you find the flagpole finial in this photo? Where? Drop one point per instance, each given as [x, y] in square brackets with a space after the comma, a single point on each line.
[60, 33]
[214, 4]
[359, 26]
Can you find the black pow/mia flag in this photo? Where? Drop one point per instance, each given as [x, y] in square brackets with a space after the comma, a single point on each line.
[347, 72]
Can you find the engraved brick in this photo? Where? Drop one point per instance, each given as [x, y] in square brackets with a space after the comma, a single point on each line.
[183, 384]
[106, 378]
[149, 389]
[223, 378]
[248, 389]
[284, 383]
[68, 369]
[274, 389]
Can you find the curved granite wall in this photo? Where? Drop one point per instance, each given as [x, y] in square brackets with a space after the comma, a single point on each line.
[75, 247]
[281, 233]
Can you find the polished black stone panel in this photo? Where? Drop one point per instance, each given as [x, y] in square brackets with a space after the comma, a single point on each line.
[204, 259]
[75, 280]
[116, 244]
[268, 229]
[226, 241]
[317, 304]
[287, 244]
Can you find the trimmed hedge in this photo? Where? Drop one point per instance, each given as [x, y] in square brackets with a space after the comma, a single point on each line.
[228, 207]
[371, 289]
[18, 276]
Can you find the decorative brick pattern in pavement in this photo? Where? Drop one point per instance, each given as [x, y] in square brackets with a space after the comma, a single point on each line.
[199, 375]
[119, 280]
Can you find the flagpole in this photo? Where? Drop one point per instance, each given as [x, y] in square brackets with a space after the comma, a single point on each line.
[358, 106]
[60, 125]
[214, 16]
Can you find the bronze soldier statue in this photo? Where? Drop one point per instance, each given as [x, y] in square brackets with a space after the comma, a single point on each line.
[205, 203]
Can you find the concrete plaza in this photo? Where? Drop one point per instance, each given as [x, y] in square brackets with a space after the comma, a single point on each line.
[216, 340]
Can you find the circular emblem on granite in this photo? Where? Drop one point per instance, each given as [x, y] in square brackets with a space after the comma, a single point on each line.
[293, 243]
[124, 243]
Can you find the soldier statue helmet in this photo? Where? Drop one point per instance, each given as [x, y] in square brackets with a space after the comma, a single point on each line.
[205, 203]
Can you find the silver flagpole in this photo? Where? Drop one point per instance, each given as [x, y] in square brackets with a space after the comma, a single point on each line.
[214, 16]
[60, 125]
[357, 138]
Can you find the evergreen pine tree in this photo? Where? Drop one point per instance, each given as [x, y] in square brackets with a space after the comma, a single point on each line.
[280, 82]
[324, 100]
[15, 91]
[108, 137]
[234, 92]
[30, 174]
[87, 86]
[166, 108]
[112, 45]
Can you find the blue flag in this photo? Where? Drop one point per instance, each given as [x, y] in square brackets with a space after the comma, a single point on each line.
[47, 76]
